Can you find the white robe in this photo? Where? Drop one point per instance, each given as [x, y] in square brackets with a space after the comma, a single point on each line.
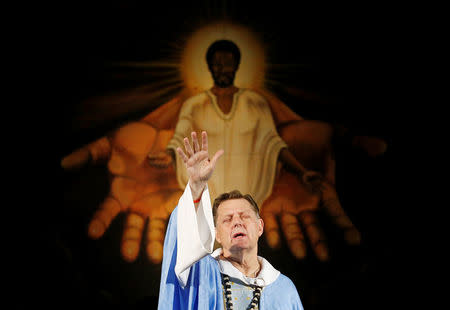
[247, 134]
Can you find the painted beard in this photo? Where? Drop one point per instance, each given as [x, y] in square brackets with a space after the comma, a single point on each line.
[224, 80]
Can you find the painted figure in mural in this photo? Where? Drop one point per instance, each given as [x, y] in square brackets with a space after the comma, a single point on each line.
[286, 162]
[239, 121]
[233, 276]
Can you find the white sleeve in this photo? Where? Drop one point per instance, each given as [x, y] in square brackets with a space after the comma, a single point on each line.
[195, 232]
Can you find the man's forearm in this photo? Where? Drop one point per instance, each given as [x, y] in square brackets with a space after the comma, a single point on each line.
[195, 232]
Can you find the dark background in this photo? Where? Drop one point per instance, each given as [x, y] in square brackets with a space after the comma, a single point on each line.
[352, 55]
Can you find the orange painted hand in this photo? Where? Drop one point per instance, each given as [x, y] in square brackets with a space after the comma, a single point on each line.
[312, 180]
[143, 185]
[294, 207]
[295, 202]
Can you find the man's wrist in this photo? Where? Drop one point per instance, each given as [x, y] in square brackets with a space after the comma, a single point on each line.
[197, 190]
[197, 200]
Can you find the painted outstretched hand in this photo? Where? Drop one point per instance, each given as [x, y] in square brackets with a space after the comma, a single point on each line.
[292, 211]
[143, 187]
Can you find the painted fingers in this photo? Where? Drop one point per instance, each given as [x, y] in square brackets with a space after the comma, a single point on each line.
[102, 218]
[298, 228]
[331, 204]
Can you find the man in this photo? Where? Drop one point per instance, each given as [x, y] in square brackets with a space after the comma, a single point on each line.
[240, 122]
[231, 277]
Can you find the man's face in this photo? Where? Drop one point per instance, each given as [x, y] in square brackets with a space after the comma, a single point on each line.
[237, 225]
[223, 68]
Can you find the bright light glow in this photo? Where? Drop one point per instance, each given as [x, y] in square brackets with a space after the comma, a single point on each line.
[194, 70]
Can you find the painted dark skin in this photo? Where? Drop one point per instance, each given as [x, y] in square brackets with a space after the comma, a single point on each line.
[223, 69]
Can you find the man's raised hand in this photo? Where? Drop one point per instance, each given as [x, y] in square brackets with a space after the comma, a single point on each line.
[198, 164]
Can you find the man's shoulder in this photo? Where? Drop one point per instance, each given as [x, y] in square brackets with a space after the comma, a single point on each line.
[251, 93]
[198, 98]
[252, 96]
[284, 279]
[195, 102]
[284, 282]
[283, 294]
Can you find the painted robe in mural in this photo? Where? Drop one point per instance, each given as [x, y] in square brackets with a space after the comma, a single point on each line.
[247, 134]
[190, 276]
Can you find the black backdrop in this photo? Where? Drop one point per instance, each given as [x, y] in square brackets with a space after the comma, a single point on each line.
[351, 55]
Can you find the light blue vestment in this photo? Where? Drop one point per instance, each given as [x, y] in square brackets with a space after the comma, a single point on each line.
[204, 287]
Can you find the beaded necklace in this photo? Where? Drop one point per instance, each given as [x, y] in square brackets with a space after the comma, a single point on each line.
[228, 300]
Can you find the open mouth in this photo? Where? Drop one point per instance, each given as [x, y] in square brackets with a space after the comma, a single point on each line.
[239, 235]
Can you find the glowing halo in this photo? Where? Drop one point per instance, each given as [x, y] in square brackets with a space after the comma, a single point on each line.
[194, 70]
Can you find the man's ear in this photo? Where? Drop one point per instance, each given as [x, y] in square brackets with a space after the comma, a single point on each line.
[218, 238]
[260, 227]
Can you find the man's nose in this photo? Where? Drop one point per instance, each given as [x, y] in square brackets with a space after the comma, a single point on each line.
[219, 67]
[227, 68]
[237, 221]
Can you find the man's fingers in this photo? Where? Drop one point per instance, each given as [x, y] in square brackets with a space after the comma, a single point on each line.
[155, 239]
[271, 230]
[182, 155]
[101, 220]
[188, 147]
[294, 235]
[315, 235]
[204, 141]
[132, 236]
[195, 144]
[331, 204]
[216, 157]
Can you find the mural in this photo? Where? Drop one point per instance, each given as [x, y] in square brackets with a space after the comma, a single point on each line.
[318, 186]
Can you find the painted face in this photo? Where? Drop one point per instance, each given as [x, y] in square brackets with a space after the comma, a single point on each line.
[223, 68]
[237, 227]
